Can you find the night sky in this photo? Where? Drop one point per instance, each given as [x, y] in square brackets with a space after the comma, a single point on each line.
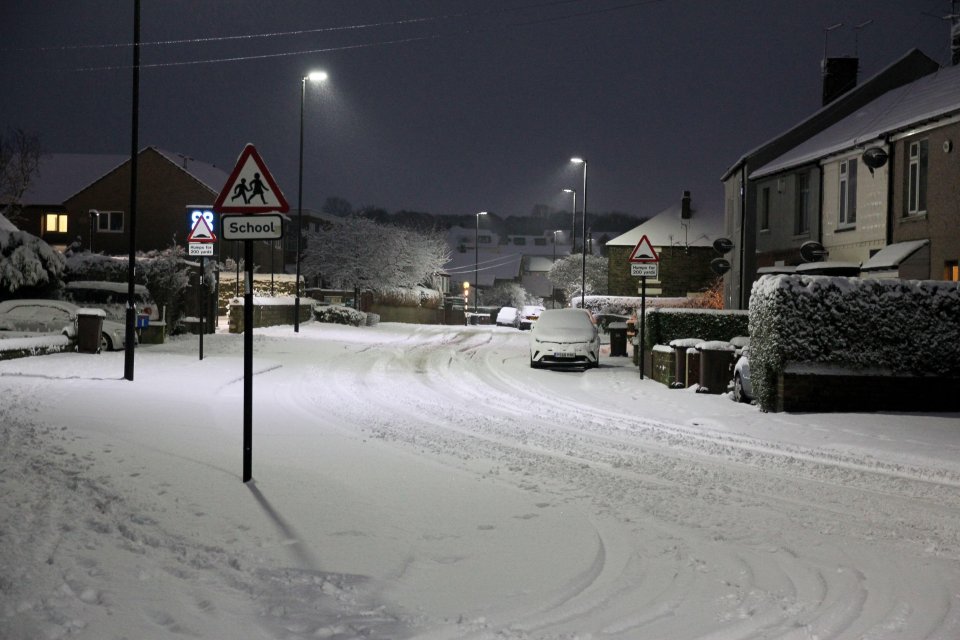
[449, 106]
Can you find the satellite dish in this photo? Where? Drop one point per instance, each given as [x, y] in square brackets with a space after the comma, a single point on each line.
[722, 245]
[812, 251]
[720, 266]
[874, 158]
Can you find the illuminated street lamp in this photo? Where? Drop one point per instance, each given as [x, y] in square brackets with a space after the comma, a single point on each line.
[476, 260]
[583, 273]
[573, 223]
[313, 76]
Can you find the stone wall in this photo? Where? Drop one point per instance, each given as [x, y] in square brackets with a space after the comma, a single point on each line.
[268, 315]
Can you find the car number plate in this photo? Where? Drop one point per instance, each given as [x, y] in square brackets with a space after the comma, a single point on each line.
[564, 354]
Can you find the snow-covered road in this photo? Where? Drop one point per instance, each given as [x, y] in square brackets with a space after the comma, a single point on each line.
[422, 481]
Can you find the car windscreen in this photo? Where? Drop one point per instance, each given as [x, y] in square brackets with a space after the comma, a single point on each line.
[574, 321]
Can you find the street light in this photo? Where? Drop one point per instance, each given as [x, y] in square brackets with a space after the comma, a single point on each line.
[476, 260]
[573, 223]
[553, 290]
[313, 76]
[583, 273]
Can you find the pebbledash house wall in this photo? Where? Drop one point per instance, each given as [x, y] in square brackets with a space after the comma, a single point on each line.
[682, 272]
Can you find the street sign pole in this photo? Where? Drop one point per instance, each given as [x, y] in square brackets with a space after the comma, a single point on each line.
[643, 319]
[200, 307]
[250, 189]
[248, 361]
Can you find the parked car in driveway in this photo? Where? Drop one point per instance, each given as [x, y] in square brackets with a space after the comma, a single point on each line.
[508, 317]
[111, 297]
[564, 338]
[56, 317]
[742, 387]
[529, 315]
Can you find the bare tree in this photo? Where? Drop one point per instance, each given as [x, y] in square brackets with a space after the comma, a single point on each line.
[19, 161]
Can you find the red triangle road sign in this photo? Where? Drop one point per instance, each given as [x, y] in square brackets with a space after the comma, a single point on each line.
[250, 187]
[201, 232]
[643, 252]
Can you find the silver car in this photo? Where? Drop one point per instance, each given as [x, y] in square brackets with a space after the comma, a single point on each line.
[54, 316]
[742, 386]
[564, 338]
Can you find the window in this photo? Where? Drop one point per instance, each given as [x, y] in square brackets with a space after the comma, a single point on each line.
[765, 209]
[848, 193]
[484, 239]
[110, 222]
[519, 241]
[55, 223]
[951, 270]
[540, 242]
[917, 178]
[801, 223]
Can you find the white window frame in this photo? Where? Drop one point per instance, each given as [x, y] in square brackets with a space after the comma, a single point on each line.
[106, 222]
[847, 194]
[917, 158]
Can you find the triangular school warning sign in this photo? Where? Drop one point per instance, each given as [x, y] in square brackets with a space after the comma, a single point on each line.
[201, 232]
[643, 252]
[250, 188]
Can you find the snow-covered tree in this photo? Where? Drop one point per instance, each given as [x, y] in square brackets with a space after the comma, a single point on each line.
[566, 274]
[28, 265]
[360, 254]
[19, 161]
[508, 294]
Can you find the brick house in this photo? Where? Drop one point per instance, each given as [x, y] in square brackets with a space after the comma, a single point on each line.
[683, 239]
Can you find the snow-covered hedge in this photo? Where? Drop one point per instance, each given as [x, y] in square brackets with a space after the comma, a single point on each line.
[622, 305]
[906, 327]
[340, 315]
[665, 325]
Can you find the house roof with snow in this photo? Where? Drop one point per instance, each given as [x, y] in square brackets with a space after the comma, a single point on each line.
[667, 228]
[928, 99]
[210, 176]
[914, 64]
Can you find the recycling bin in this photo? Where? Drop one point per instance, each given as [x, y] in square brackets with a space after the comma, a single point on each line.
[618, 338]
[89, 329]
[716, 366]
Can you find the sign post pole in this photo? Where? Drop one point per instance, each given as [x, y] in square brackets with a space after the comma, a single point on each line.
[248, 361]
[250, 189]
[200, 306]
[643, 319]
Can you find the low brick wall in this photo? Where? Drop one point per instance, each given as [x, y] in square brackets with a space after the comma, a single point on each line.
[269, 315]
[815, 392]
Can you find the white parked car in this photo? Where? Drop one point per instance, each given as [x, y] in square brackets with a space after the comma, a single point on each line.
[742, 387]
[54, 316]
[529, 315]
[564, 338]
[111, 297]
[508, 317]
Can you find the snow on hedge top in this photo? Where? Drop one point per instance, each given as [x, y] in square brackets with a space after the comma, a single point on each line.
[907, 326]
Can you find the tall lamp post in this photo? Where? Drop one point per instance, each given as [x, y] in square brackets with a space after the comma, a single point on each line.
[573, 223]
[583, 272]
[476, 261]
[553, 290]
[313, 76]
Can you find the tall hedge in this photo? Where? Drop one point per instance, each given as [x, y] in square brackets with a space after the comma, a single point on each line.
[664, 325]
[903, 327]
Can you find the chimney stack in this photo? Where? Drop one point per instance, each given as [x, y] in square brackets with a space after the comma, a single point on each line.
[839, 76]
[685, 211]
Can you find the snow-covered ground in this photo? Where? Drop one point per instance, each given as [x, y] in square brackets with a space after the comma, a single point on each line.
[424, 482]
